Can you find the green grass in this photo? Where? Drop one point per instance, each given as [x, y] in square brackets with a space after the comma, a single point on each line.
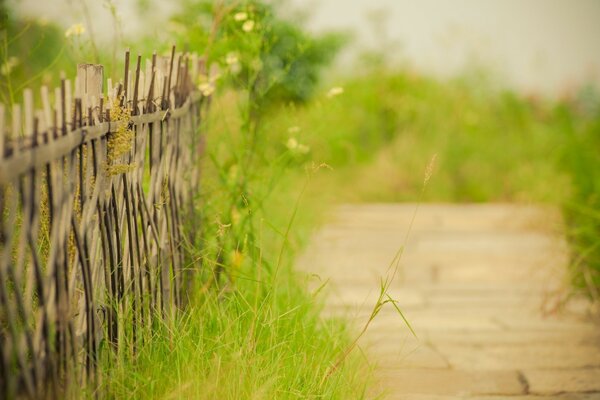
[256, 330]
[240, 346]
[258, 333]
[491, 145]
[376, 139]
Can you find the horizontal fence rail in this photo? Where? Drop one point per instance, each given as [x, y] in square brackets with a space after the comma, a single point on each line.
[93, 191]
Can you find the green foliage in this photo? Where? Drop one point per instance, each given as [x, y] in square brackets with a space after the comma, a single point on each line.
[27, 49]
[240, 345]
[492, 145]
[581, 158]
[34, 52]
[272, 57]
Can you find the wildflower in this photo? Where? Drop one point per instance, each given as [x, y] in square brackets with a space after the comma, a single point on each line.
[248, 26]
[303, 149]
[75, 30]
[235, 68]
[293, 129]
[335, 91]
[295, 147]
[9, 65]
[429, 170]
[241, 16]
[221, 227]
[206, 88]
[231, 58]
[292, 143]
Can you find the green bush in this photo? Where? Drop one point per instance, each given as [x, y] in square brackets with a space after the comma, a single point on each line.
[276, 59]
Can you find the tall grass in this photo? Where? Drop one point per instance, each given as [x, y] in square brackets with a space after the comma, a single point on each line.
[492, 145]
[252, 329]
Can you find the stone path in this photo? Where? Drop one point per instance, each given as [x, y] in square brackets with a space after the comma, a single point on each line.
[478, 283]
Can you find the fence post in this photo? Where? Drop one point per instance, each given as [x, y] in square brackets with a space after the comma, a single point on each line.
[90, 78]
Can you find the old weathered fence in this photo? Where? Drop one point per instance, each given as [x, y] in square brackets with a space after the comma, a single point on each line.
[93, 190]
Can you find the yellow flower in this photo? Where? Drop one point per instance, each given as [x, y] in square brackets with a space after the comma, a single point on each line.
[75, 30]
[248, 26]
[335, 91]
[241, 16]
[206, 89]
[237, 258]
[292, 143]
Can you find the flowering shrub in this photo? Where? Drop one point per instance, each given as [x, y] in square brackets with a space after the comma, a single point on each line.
[274, 58]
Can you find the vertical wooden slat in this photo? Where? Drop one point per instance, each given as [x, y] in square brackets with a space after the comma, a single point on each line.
[134, 108]
[111, 241]
[16, 123]
[126, 76]
[46, 106]
[68, 103]
[2, 139]
[28, 107]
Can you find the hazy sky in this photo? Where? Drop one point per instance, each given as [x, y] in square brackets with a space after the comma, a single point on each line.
[533, 45]
[540, 45]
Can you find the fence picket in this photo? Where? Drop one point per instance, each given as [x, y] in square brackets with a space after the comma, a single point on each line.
[92, 190]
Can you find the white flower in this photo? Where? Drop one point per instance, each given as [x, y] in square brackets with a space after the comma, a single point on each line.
[293, 129]
[335, 91]
[248, 26]
[295, 147]
[206, 88]
[241, 16]
[233, 62]
[75, 30]
[9, 65]
[303, 149]
[235, 69]
[231, 58]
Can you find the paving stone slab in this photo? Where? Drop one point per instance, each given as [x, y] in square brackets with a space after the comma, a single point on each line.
[546, 381]
[493, 356]
[451, 382]
[475, 282]
[387, 354]
[570, 396]
[588, 336]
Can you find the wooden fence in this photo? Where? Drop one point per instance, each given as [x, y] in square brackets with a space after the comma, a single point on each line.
[93, 190]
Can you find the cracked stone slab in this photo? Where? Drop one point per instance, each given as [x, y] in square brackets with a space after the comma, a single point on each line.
[534, 355]
[548, 381]
[567, 396]
[451, 382]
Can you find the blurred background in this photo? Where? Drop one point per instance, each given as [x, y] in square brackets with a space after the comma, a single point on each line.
[342, 101]
[535, 46]
[370, 88]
